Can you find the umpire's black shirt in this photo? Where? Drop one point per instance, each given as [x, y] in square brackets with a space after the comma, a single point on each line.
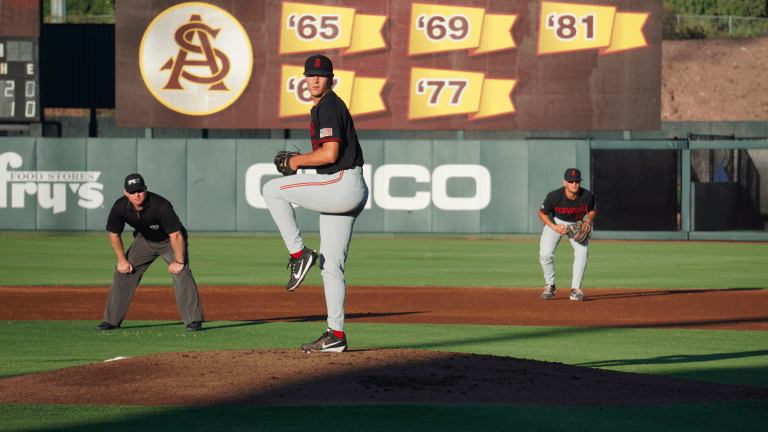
[154, 222]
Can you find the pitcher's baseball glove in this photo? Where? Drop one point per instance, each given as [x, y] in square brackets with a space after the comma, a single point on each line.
[283, 162]
[580, 231]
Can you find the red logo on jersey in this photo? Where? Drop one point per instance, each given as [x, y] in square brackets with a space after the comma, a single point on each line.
[312, 129]
[317, 62]
[578, 212]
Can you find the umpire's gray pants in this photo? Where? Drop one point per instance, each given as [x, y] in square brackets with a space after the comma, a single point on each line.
[141, 254]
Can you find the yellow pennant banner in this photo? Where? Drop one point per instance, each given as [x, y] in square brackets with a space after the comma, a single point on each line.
[440, 28]
[495, 99]
[362, 95]
[627, 32]
[312, 28]
[568, 27]
[441, 92]
[366, 96]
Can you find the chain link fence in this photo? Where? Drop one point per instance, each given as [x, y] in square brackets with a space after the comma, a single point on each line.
[80, 19]
[706, 26]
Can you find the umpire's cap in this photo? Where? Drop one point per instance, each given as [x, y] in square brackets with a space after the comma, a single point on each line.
[318, 65]
[134, 183]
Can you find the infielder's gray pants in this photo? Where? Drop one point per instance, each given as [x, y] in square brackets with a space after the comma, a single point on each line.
[549, 241]
[141, 254]
[340, 198]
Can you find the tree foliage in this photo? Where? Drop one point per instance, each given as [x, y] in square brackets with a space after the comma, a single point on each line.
[80, 8]
[744, 8]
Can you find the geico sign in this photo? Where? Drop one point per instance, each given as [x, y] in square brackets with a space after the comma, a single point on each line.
[380, 186]
[50, 186]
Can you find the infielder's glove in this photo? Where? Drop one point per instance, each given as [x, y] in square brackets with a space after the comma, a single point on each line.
[283, 162]
[579, 231]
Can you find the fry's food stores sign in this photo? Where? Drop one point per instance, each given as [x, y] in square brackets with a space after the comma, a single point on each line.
[50, 187]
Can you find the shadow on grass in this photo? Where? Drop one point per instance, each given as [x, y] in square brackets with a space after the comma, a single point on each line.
[314, 318]
[675, 359]
[700, 323]
[129, 326]
[654, 293]
[703, 417]
[299, 319]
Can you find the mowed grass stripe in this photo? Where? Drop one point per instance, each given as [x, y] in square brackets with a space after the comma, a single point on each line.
[89, 261]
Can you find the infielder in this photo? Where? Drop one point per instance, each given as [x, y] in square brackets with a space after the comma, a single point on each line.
[337, 191]
[159, 233]
[567, 205]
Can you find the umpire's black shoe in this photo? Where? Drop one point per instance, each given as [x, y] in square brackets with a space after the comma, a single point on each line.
[106, 326]
[195, 326]
[299, 267]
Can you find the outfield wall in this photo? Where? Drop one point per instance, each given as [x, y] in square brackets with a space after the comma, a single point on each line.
[417, 186]
[426, 186]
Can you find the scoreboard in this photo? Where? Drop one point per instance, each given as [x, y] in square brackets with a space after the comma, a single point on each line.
[398, 65]
[19, 80]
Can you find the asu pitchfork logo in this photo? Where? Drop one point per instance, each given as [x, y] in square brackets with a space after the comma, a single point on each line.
[196, 58]
[213, 57]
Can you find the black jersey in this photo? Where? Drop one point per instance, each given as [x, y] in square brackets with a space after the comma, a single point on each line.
[568, 210]
[155, 221]
[331, 121]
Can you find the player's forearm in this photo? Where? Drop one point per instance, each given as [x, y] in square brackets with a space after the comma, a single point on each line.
[324, 155]
[177, 243]
[545, 218]
[117, 245]
[590, 216]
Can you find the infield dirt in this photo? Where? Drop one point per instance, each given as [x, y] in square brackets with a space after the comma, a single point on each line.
[375, 376]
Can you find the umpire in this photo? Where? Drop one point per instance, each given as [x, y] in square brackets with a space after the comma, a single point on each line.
[158, 233]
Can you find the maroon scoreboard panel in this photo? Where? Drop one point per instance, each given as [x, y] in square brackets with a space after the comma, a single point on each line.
[447, 65]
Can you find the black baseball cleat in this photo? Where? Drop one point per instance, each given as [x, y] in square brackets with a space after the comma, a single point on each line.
[195, 326]
[299, 267]
[328, 342]
[106, 326]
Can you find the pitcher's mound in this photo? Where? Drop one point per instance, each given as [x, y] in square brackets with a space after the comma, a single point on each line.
[359, 376]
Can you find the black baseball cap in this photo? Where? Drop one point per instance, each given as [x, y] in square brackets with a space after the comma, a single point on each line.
[572, 174]
[134, 183]
[318, 65]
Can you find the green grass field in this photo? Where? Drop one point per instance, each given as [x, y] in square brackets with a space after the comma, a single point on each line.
[89, 261]
[736, 357]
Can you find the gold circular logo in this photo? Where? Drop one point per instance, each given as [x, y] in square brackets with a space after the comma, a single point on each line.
[196, 58]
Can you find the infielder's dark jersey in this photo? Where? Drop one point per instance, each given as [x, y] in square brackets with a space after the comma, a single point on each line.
[331, 121]
[155, 221]
[567, 210]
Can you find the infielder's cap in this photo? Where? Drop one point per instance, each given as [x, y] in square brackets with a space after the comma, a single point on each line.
[134, 183]
[318, 65]
[572, 174]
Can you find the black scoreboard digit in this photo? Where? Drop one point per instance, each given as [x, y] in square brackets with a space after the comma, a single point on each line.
[19, 80]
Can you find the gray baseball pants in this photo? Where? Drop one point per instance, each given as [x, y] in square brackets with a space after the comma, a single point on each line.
[339, 198]
[141, 254]
[549, 241]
